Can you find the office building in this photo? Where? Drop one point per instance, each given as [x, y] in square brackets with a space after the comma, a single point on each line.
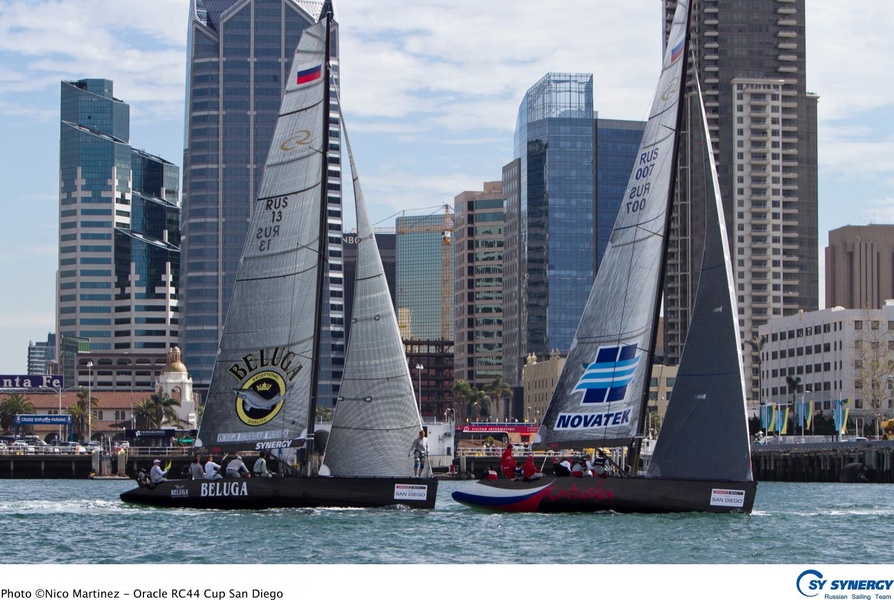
[478, 285]
[550, 220]
[829, 355]
[119, 233]
[750, 58]
[239, 53]
[860, 266]
[424, 276]
[42, 356]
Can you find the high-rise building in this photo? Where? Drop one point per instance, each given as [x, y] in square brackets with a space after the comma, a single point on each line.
[860, 266]
[42, 355]
[239, 53]
[750, 58]
[424, 275]
[478, 285]
[550, 220]
[119, 234]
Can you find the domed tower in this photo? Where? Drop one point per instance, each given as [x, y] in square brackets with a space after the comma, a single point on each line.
[175, 381]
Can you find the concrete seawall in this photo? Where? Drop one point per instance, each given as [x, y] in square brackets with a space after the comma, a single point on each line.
[821, 462]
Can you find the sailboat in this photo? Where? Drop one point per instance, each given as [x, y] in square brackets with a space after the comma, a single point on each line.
[265, 380]
[702, 458]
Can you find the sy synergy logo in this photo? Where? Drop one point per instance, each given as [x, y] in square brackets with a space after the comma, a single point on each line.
[263, 381]
[811, 582]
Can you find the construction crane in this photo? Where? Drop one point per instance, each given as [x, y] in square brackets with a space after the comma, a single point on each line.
[446, 230]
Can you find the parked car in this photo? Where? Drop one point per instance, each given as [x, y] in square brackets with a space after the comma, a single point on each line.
[71, 448]
[21, 447]
[40, 446]
[3, 447]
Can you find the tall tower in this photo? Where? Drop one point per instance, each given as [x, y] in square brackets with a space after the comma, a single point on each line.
[119, 234]
[239, 55]
[550, 220]
[751, 62]
[478, 285]
[424, 292]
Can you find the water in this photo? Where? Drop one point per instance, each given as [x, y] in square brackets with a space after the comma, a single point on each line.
[79, 522]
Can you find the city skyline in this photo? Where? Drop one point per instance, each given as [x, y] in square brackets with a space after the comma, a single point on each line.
[430, 97]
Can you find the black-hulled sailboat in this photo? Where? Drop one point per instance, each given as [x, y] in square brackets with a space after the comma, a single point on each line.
[702, 459]
[263, 388]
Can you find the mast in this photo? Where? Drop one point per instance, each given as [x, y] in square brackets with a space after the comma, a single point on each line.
[322, 244]
[656, 320]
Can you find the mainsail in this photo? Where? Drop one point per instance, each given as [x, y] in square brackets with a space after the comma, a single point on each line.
[705, 430]
[262, 382]
[600, 394]
[376, 414]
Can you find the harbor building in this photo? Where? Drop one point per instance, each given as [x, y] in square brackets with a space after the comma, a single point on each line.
[119, 236]
[751, 61]
[239, 53]
[828, 355]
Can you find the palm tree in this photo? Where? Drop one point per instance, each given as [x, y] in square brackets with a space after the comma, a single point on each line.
[144, 414]
[14, 404]
[78, 419]
[499, 389]
[164, 407]
[462, 391]
[481, 403]
[757, 344]
[79, 412]
[793, 382]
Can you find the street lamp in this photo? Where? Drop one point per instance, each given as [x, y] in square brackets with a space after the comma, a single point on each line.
[89, 401]
[419, 371]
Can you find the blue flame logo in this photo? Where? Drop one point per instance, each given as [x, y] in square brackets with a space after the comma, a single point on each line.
[606, 378]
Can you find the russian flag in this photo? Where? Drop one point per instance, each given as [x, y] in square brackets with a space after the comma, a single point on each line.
[308, 75]
[677, 52]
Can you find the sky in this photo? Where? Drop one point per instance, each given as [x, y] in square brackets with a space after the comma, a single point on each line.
[430, 93]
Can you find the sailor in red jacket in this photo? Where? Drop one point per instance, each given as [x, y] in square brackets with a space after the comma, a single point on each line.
[507, 463]
[529, 471]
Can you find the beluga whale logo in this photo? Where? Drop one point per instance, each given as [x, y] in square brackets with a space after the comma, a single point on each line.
[607, 377]
[263, 378]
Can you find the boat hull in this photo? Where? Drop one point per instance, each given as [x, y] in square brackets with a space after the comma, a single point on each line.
[619, 494]
[289, 492]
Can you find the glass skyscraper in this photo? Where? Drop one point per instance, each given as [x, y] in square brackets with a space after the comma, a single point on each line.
[424, 275]
[550, 220]
[239, 55]
[119, 231]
